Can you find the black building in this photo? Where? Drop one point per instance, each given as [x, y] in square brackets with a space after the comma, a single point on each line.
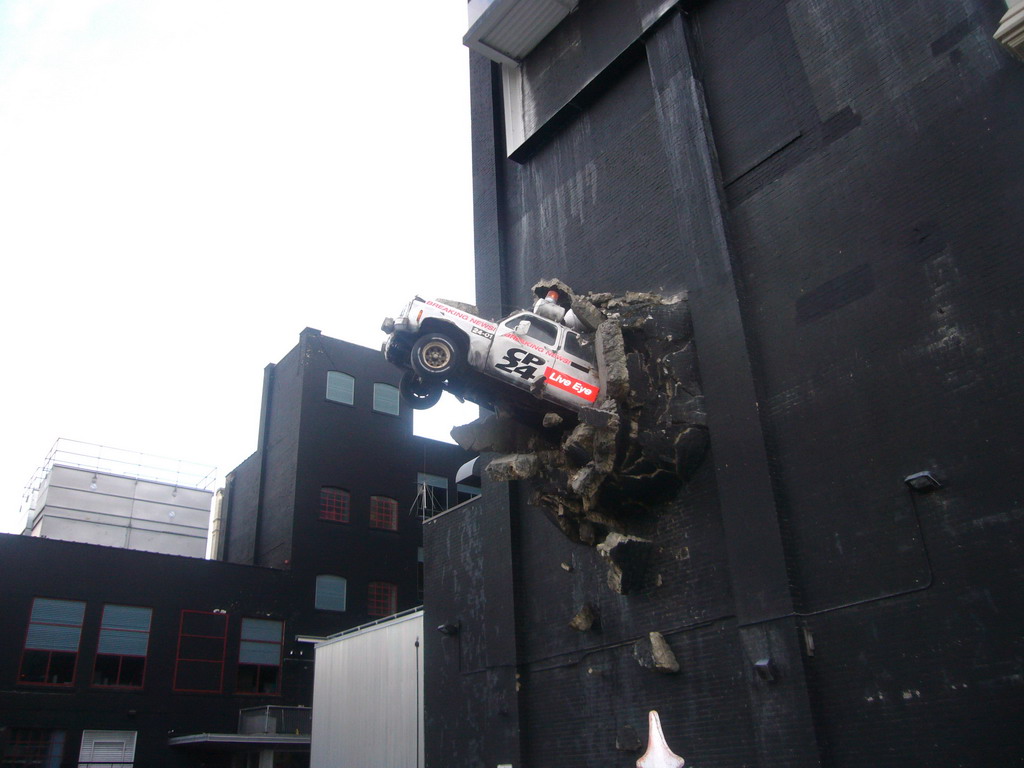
[835, 185]
[118, 656]
[338, 485]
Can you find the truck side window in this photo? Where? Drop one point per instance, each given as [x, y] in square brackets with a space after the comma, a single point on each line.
[542, 331]
[576, 347]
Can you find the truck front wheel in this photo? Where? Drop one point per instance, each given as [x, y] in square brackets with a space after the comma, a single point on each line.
[435, 356]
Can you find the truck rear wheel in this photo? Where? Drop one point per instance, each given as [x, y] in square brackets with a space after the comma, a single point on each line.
[419, 394]
[436, 356]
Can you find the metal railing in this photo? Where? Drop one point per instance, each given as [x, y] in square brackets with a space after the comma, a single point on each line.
[290, 720]
[116, 461]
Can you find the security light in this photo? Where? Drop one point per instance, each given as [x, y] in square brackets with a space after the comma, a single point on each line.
[922, 482]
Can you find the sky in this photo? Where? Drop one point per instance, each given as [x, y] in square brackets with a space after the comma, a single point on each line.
[185, 186]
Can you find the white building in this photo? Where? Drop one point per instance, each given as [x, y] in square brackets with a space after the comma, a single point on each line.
[98, 495]
[368, 695]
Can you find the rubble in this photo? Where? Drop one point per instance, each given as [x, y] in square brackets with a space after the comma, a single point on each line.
[604, 471]
[654, 652]
[628, 557]
[516, 466]
[585, 619]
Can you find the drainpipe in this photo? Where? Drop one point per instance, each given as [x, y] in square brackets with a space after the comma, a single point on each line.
[261, 448]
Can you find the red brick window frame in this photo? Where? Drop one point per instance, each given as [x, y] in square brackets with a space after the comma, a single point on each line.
[334, 504]
[383, 513]
[382, 599]
[50, 654]
[202, 643]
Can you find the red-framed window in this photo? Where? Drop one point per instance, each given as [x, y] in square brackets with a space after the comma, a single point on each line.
[259, 657]
[123, 646]
[383, 513]
[31, 748]
[334, 504]
[382, 599]
[202, 641]
[50, 654]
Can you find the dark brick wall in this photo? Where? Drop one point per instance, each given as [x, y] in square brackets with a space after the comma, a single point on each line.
[835, 184]
[309, 442]
[32, 567]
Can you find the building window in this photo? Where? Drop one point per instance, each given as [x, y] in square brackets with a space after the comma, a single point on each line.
[331, 593]
[432, 494]
[382, 599]
[334, 504]
[51, 644]
[383, 513]
[385, 399]
[107, 749]
[259, 656]
[32, 748]
[202, 640]
[467, 492]
[124, 643]
[341, 387]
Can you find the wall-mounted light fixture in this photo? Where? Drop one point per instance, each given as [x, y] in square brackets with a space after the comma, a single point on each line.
[922, 482]
[448, 629]
[765, 669]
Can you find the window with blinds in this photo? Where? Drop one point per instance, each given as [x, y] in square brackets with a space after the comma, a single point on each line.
[259, 656]
[202, 639]
[107, 749]
[331, 593]
[123, 646]
[341, 387]
[385, 399]
[31, 748]
[51, 643]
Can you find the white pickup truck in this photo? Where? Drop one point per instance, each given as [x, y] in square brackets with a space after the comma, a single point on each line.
[523, 360]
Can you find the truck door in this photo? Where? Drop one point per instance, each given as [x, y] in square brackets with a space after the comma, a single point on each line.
[522, 349]
[572, 377]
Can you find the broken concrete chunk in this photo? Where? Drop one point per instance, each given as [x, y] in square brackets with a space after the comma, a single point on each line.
[654, 652]
[611, 361]
[585, 483]
[588, 315]
[628, 558]
[516, 466]
[495, 432]
[585, 618]
[603, 417]
[552, 420]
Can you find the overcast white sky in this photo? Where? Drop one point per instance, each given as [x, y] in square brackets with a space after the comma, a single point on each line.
[185, 186]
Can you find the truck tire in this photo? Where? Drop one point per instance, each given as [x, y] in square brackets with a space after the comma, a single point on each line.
[418, 393]
[436, 356]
